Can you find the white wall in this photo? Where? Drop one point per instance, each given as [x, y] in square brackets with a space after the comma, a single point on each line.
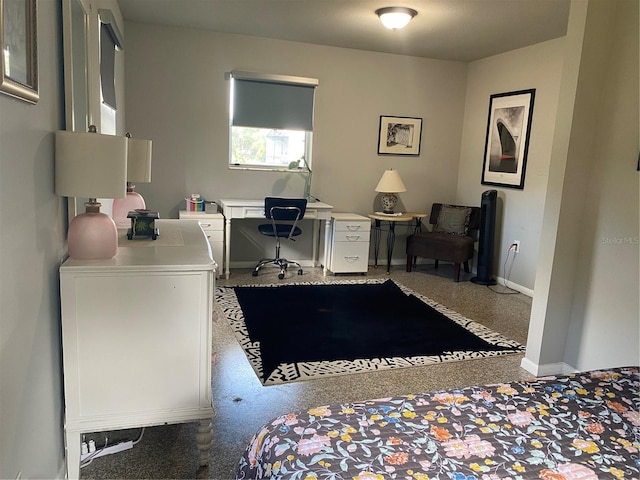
[519, 212]
[177, 96]
[33, 226]
[585, 310]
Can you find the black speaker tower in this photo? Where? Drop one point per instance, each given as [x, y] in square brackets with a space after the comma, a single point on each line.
[487, 234]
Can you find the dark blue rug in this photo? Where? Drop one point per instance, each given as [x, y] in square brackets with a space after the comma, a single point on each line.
[302, 331]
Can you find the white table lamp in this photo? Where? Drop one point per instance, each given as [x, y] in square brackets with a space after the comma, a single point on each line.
[389, 185]
[91, 165]
[138, 170]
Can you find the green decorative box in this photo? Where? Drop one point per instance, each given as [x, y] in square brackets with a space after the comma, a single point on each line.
[143, 224]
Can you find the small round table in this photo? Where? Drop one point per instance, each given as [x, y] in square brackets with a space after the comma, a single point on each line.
[391, 236]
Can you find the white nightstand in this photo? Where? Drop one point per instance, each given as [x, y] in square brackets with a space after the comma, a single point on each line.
[213, 226]
[349, 243]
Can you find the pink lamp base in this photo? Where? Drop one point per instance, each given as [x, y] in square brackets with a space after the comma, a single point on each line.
[92, 236]
[122, 207]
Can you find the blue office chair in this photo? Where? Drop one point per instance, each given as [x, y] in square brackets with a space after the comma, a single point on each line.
[284, 213]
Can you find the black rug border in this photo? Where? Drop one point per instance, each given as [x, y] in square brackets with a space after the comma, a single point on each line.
[227, 303]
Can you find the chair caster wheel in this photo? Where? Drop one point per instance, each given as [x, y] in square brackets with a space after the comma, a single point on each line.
[254, 273]
[300, 272]
[280, 276]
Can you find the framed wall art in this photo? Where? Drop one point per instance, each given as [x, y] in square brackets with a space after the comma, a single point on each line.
[507, 140]
[399, 135]
[19, 49]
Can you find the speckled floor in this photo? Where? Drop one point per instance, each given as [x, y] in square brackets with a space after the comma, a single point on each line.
[242, 404]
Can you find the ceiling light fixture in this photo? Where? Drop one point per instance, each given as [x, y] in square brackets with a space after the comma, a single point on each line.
[395, 18]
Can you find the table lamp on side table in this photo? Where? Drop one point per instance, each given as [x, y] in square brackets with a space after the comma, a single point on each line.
[138, 170]
[91, 165]
[389, 185]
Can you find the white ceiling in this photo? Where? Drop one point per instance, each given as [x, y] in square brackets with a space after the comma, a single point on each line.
[463, 30]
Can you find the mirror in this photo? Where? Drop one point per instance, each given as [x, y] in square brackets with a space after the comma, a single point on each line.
[75, 20]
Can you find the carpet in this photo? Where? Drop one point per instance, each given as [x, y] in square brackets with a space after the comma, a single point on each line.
[303, 331]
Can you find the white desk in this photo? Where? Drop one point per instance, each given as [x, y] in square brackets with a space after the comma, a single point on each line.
[237, 209]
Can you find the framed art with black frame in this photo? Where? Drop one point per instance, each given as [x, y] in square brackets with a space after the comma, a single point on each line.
[399, 135]
[19, 49]
[507, 139]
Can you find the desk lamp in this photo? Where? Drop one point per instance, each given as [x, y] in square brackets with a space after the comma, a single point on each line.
[91, 165]
[389, 185]
[138, 170]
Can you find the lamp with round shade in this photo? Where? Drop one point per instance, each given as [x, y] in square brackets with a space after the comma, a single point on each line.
[138, 170]
[389, 185]
[91, 165]
[395, 18]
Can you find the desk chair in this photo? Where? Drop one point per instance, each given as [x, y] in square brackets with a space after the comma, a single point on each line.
[289, 211]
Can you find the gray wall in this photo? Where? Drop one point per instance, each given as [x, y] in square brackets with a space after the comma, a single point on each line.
[177, 96]
[33, 226]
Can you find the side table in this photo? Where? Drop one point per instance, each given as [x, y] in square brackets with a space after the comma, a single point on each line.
[391, 235]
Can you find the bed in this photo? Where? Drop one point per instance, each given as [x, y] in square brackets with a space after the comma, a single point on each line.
[584, 425]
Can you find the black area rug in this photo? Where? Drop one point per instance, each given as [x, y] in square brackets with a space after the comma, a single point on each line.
[302, 331]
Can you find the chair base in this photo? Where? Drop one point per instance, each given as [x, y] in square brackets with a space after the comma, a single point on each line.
[282, 263]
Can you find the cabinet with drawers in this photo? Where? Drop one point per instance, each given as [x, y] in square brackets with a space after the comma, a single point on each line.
[349, 243]
[213, 226]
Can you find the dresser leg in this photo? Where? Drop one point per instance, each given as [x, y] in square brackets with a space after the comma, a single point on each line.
[204, 440]
[72, 440]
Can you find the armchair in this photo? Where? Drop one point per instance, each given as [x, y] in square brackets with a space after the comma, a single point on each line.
[450, 239]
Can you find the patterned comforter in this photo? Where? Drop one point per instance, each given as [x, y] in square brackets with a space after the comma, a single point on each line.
[578, 426]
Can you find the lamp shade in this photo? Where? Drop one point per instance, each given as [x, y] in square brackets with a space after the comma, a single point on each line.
[90, 165]
[390, 182]
[138, 160]
[395, 18]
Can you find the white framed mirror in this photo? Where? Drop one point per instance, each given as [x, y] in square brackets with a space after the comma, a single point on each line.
[75, 20]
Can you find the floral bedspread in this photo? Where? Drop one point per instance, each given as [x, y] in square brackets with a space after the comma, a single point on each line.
[578, 426]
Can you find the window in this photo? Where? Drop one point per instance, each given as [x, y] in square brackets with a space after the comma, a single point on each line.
[271, 121]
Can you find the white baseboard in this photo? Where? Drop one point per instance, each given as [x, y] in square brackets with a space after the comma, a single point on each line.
[538, 370]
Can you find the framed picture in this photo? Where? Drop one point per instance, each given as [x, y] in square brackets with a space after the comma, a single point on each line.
[399, 135]
[19, 49]
[507, 141]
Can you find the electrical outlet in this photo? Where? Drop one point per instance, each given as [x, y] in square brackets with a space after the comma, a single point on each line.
[515, 246]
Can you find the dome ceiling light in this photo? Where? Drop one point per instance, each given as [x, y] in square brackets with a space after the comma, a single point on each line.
[395, 18]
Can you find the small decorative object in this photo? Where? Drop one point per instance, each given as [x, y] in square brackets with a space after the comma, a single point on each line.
[399, 135]
[195, 203]
[19, 49]
[143, 224]
[389, 185]
[507, 141]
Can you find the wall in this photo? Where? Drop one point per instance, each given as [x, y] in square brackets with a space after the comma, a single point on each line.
[177, 96]
[607, 276]
[585, 308]
[519, 212]
[33, 226]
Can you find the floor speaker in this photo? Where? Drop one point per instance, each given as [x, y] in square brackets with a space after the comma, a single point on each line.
[484, 274]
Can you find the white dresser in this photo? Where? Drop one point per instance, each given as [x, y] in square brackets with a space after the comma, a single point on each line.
[136, 335]
[213, 226]
[349, 243]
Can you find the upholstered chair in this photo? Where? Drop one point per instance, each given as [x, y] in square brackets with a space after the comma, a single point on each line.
[451, 238]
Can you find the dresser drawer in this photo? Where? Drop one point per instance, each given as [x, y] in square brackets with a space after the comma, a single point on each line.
[348, 236]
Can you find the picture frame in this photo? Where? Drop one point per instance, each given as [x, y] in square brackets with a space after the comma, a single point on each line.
[399, 135]
[507, 138]
[19, 49]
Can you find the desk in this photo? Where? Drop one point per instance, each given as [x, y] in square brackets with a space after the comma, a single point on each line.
[238, 209]
[391, 236]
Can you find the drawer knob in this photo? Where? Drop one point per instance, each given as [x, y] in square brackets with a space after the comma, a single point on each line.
[352, 238]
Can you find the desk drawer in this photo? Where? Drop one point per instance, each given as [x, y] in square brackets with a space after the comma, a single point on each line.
[342, 236]
[350, 257]
[353, 226]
